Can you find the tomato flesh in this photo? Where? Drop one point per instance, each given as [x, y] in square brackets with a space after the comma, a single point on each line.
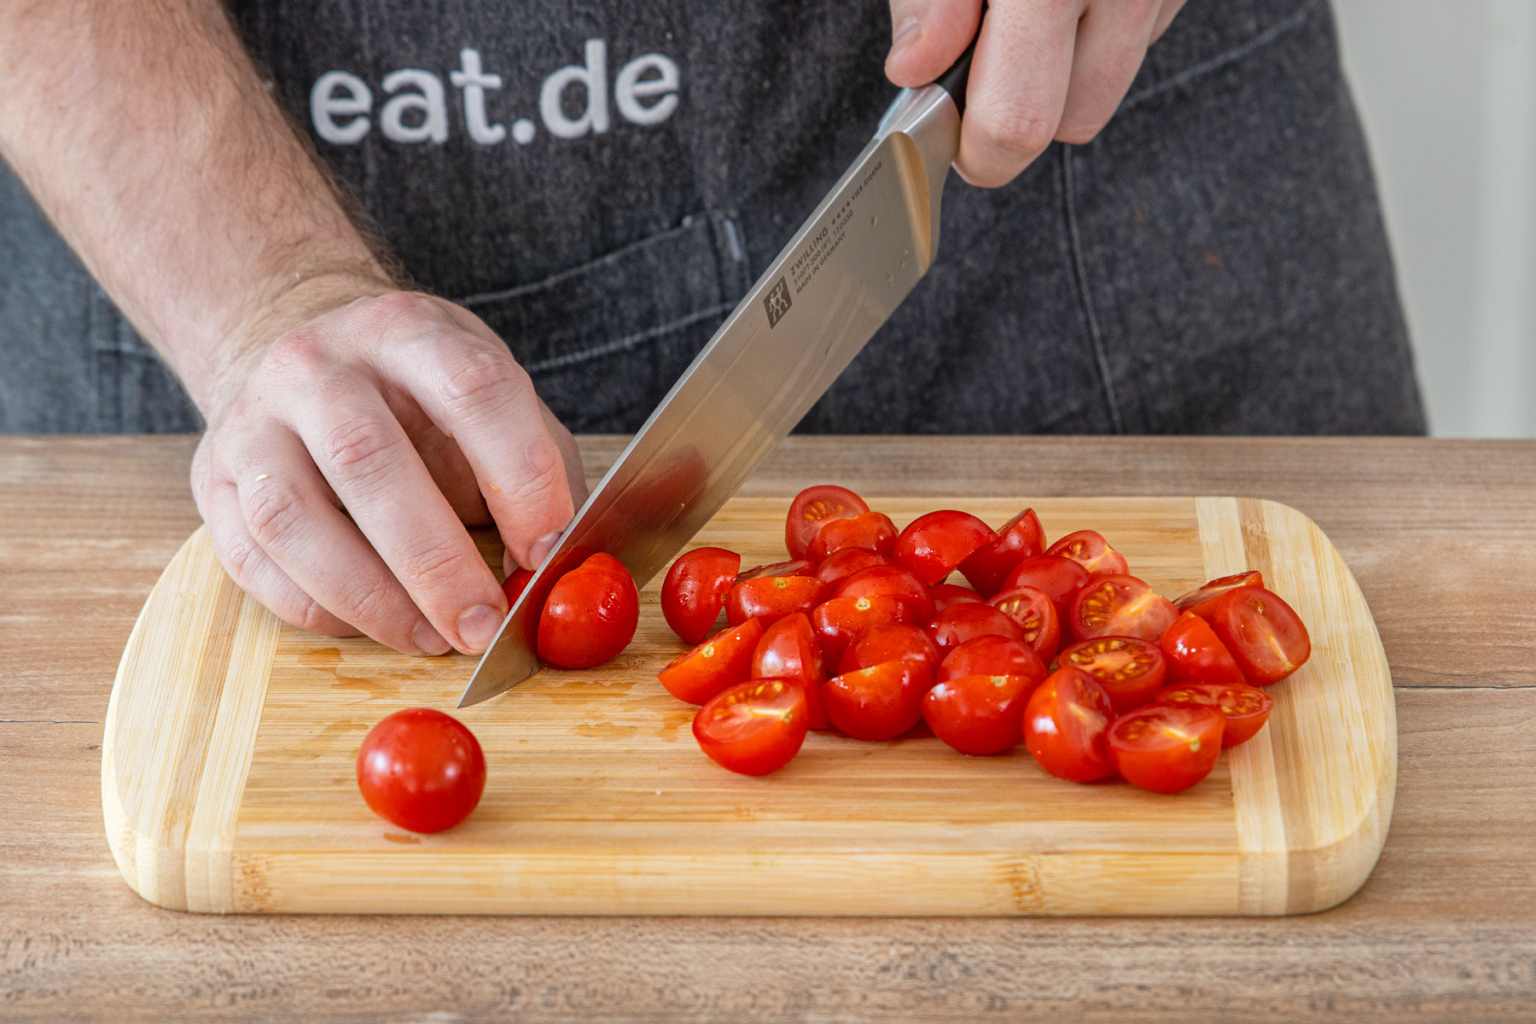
[1066, 726]
[421, 769]
[1196, 654]
[979, 714]
[895, 642]
[839, 565]
[812, 509]
[590, 614]
[716, 664]
[755, 727]
[1089, 549]
[1267, 638]
[932, 546]
[961, 622]
[880, 702]
[1020, 538]
[694, 591]
[890, 581]
[1058, 578]
[992, 656]
[946, 594]
[793, 567]
[1166, 747]
[1246, 708]
[770, 598]
[1036, 616]
[839, 622]
[1130, 670]
[1202, 599]
[1118, 605]
[872, 531]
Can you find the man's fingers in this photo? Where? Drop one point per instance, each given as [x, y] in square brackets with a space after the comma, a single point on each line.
[927, 36]
[1111, 42]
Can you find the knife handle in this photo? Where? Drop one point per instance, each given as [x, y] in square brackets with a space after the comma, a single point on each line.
[953, 81]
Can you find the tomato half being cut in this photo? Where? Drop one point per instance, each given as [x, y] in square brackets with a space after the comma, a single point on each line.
[1196, 655]
[514, 585]
[716, 664]
[694, 590]
[788, 651]
[932, 546]
[1246, 708]
[961, 622]
[1066, 725]
[880, 702]
[421, 769]
[896, 642]
[770, 598]
[1166, 747]
[979, 715]
[890, 581]
[590, 614]
[1036, 616]
[946, 594]
[839, 565]
[1020, 538]
[812, 509]
[992, 656]
[1130, 670]
[1089, 549]
[1059, 578]
[839, 622]
[755, 727]
[1265, 635]
[1202, 599]
[872, 531]
[1120, 606]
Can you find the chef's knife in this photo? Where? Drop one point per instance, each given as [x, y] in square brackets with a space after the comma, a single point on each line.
[846, 270]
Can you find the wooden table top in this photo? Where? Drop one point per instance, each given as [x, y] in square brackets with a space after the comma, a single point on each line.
[1442, 536]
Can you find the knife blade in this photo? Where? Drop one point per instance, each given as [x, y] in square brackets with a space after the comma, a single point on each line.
[859, 254]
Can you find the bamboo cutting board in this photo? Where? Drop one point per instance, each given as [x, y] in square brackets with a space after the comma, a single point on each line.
[228, 785]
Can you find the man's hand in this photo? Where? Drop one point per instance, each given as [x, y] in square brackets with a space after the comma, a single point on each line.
[1043, 69]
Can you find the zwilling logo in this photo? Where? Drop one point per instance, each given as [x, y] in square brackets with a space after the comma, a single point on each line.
[776, 302]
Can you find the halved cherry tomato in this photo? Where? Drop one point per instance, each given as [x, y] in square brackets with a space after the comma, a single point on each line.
[961, 622]
[1166, 747]
[515, 584]
[812, 509]
[793, 567]
[1114, 605]
[947, 594]
[788, 651]
[1058, 578]
[1201, 599]
[590, 614]
[1089, 549]
[890, 581]
[718, 663]
[694, 591]
[421, 769]
[839, 622]
[934, 544]
[872, 531]
[1196, 655]
[987, 566]
[880, 702]
[755, 727]
[839, 565]
[1066, 725]
[1130, 670]
[979, 714]
[896, 642]
[992, 656]
[1245, 707]
[1036, 616]
[770, 598]
[1265, 635]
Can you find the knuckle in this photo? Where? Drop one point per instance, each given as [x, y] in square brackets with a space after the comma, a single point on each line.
[431, 566]
[394, 309]
[359, 446]
[299, 352]
[1019, 134]
[544, 482]
[368, 604]
[482, 377]
[274, 512]
[238, 554]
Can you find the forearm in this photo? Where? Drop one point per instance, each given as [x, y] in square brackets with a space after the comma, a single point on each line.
[145, 133]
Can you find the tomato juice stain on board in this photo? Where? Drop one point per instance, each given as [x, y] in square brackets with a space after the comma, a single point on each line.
[397, 837]
[604, 730]
[325, 657]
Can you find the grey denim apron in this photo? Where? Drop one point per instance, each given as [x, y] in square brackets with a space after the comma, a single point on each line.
[602, 182]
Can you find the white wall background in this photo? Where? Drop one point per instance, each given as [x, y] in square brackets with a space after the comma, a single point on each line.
[1447, 90]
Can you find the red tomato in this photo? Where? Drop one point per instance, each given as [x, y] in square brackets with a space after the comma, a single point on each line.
[793, 567]
[1246, 708]
[1089, 549]
[770, 598]
[896, 642]
[753, 728]
[934, 544]
[590, 615]
[718, 663]
[946, 594]
[992, 656]
[1057, 578]
[1266, 637]
[1036, 616]
[421, 769]
[839, 565]
[839, 621]
[515, 584]
[961, 622]
[788, 651]
[813, 508]
[1201, 599]
[880, 702]
[1120, 606]
[987, 566]
[694, 591]
[872, 531]
[890, 581]
[979, 714]
[1130, 670]
[1066, 724]
[1166, 747]
[1196, 655]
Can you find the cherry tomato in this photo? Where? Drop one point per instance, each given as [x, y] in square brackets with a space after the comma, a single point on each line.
[992, 656]
[839, 622]
[1130, 670]
[1201, 599]
[839, 565]
[813, 508]
[890, 581]
[1246, 708]
[880, 702]
[770, 598]
[718, 663]
[1166, 747]
[755, 727]
[1089, 549]
[1036, 616]
[695, 588]
[1066, 725]
[1114, 605]
[1267, 638]
[1058, 578]
[896, 642]
[946, 594]
[421, 769]
[987, 566]
[793, 567]
[872, 531]
[590, 615]
[515, 584]
[788, 651]
[934, 544]
[1196, 655]
[961, 622]
[979, 714]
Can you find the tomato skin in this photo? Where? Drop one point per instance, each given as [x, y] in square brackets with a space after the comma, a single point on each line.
[880, 702]
[514, 585]
[1089, 549]
[788, 651]
[793, 567]
[1036, 615]
[1059, 578]
[934, 544]
[770, 598]
[694, 590]
[1119, 605]
[839, 565]
[946, 594]
[1166, 747]
[890, 581]
[590, 614]
[421, 769]
[716, 664]
[1130, 670]
[961, 622]
[895, 642]
[979, 714]
[1267, 638]
[1020, 538]
[1203, 598]
[812, 509]
[755, 727]
[992, 656]
[1196, 654]
[872, 531]
[841, 620]
[1246, 708]
[1066, 726]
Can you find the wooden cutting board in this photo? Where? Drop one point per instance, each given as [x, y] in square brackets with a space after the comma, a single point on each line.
[228, 785]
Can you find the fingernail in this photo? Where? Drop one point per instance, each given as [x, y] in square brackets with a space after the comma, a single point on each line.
[905, 36]
[478, 626]
[542, 547]
[429, 640]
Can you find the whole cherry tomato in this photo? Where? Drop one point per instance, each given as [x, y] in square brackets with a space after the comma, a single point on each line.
[755, 727]
[694, 591]
[1058, 578]
[1114, 605]
[590, 614]
[992, 656]
[1066, 725]
[1036, 616]
[1166, 747]
[987, 566]
[839, 565]
[1202, 599]
[839, 622]
[718, 663]
[1130, 670]
[812, 509]
[896, 642]
[979, 714]
[1196, 655]
[515, 583]
[932, 546]
[961, 622]
[946, 594]
[1265, 635]
[890, 581]
[872, 531]
[1089, 549]
[421, 769]
[788, 651]
[770, 598]
[880, 702]
[1246, 708]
